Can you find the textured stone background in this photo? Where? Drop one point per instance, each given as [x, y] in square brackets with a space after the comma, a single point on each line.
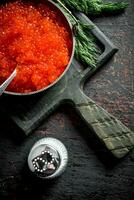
[91, 173]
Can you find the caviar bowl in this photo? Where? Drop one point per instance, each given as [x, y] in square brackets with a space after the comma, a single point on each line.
[39, 40]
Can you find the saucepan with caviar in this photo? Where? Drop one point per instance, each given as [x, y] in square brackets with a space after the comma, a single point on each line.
[37, 40]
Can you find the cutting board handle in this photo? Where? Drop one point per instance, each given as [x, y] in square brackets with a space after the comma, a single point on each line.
[113, 134]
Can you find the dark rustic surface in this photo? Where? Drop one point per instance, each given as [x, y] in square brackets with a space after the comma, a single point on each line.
[91, 172]
[28, 112]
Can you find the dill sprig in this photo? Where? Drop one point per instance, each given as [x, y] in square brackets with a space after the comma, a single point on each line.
[86, 50]
[95, 7]
[113, 8]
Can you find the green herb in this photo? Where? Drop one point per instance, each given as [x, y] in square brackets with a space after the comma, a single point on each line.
[113, 8]
[86, 50]
[95, 7]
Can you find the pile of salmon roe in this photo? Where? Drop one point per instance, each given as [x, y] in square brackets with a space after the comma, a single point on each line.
[35, 39]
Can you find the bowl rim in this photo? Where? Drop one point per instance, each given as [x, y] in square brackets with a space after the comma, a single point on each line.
[67, 67]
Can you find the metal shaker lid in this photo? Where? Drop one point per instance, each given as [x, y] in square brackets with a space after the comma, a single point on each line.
[48, 158]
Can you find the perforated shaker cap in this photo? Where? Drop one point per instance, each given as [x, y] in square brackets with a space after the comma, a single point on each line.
[48, 158]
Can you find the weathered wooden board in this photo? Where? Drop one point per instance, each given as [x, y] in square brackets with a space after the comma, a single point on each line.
[28, 112]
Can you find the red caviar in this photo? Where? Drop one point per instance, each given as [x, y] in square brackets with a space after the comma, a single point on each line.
[36, 39]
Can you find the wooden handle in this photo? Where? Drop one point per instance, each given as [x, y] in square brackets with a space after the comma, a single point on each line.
[114, 135]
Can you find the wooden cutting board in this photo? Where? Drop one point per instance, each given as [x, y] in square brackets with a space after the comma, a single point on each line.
[29, 112]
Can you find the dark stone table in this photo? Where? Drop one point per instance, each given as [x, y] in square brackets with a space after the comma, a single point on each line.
[91, 172]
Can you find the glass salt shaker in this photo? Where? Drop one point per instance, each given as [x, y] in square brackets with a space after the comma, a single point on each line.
[48, 158]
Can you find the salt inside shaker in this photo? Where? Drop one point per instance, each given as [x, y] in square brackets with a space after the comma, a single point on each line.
[48, 158]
